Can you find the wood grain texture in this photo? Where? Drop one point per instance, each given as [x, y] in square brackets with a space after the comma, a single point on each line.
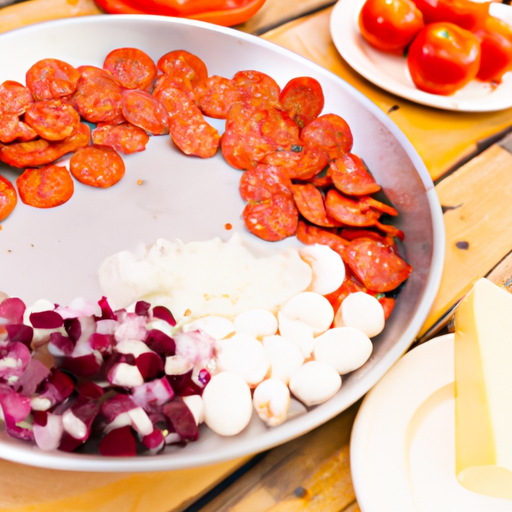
[35, 11]
[311, 473]
[477, 199]
[442, 138]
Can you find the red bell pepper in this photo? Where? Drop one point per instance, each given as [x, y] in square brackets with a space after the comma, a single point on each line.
[219, 12]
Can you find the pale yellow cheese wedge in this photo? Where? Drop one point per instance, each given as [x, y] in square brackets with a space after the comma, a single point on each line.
[483, 390]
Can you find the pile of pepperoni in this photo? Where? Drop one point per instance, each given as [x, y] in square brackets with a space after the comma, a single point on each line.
[300, 178]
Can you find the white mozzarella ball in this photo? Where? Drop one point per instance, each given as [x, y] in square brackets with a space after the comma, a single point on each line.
[315, 382]
[285, 357]
[256, 322]
[299, 333]
[362, 311]
[344, 348]
[218, 327]
[311, 308]
[271, 399]
[227, 404]
[243, 354]
[327, 266]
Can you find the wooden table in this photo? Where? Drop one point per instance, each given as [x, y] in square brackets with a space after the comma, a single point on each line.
[469, 157]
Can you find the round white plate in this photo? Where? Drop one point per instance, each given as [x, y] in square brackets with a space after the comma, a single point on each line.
[402, 451]
[55, 253]
[390, 72]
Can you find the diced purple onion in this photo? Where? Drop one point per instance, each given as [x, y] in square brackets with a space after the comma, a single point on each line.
[117, 405]
[48, 436]
[183, 385]
[182, 419]
[119, 443]
[163, 313]
[106, 310]
[83, 366]
[46, 320]
[78, 419]
[154, 442]
[160, 343]
[133, 328]
[195, 346]
[103, 343]
[152, 395]
[90, 390]
[35, 373]
[12, 310]
[20, 332]
[142, 307]
[204, 377]
[14, 359]
[60, 345]
[69, 443]
[149, 365]
[57, 387]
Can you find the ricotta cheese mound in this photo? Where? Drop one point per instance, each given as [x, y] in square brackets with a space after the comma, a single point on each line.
[203, 278]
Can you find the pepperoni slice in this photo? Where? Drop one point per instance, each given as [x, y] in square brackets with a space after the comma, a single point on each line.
[273, 219]
[145, 111]
[349, 285]
[187, 126]
[52, 119]
[257, 89]
[45, 187]
[98, 97]
[330, 133]
[354, 233]
[42, 152]
[350, 212]
[350, 176]
[97, 166]
[51, 78]
[376, 265]
[164, 82]
[124, 138]
[280, 128]
[8, 198]
[14, 98]
[11, 128]
[310, 235]
[303, 99]
[184, 65]
[310, 203]
[131, 67]
[216, 95]
[300, 162]
[262, 182]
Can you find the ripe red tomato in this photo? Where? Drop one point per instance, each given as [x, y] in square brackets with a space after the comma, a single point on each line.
[390, 25]
[443, 58]
[464, 13]
[496, 43]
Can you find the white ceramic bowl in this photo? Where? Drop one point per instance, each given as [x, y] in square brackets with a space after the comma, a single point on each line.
[55, 253]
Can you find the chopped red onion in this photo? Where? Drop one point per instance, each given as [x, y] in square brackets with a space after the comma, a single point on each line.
[183, 385]
[142, 307]
[78, 419]
[103, 343]
[152, 395]
[150, 365]
[12, 310]
[14, 359]
[35, 373]
[90, 390]
[195, 346]
[160, 343]
[48, 436]
[60, 345]
[57, 388]
[133, 328]
[119, 443]
[20, 332]
[125, 375]
[163, 313]
[46, 320]
[154, 442]
[106, 310]
[83, 366]
[182, 419]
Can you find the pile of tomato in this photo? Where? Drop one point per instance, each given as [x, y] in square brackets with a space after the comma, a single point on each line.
[447, 43]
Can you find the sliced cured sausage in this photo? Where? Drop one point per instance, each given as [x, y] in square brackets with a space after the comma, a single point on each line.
[131, 67]
[45, 187]
[124, 138]
[51, 78]
[14, 98]
[52, 119]
[262, 182]
[303, 99]
[8, 198]
[145, 111]
[97, 166]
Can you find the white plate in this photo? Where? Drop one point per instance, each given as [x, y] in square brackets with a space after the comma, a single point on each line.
[402, 452]
[390, 72]
[55, 253]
